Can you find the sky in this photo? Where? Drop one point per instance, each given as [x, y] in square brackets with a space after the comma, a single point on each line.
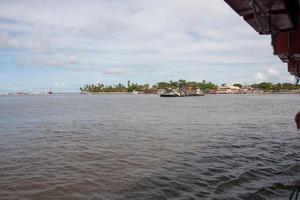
[62, 45]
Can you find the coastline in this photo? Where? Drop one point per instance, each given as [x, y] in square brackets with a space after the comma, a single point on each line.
[131, 93]
[107, 93]
[134, 94]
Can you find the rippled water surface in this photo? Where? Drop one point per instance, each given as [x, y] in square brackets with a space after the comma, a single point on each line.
[147, 147]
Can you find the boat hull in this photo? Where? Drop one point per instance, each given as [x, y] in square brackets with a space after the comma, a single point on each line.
[174, 95]
[169, 95]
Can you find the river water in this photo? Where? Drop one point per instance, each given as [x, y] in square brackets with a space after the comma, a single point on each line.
[147, 147]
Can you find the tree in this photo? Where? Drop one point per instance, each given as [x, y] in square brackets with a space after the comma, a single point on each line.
[162, 85]
[264, 86]
[181, 83]
[192, 85]
[128, 83]
[238, 85]
[174, 84]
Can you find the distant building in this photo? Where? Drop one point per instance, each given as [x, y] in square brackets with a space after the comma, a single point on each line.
[228, 90]
[236, 90]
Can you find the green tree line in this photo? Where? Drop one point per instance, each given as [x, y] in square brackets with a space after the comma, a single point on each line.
[277, 87]
[142, 87]
[204, 85]
[190, 84]
[114, 88]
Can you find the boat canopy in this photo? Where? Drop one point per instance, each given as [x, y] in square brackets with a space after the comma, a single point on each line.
[280, 19]
[267, 16]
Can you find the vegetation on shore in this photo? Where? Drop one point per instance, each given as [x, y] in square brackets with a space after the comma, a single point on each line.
[114, 88]
[190, 84]
[205, 86]
[278, 87]
[146, 87]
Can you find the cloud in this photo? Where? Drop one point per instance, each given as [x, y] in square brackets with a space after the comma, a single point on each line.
[61, 61]
[59, 84]
[165, 30]
[273, 72]
[259, 77]
[8, 42]
[173, 38]
[42, 44]
[64, 61]
[114, 71]
[71, 59]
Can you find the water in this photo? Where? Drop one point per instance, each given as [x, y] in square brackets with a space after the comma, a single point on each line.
[147, 147]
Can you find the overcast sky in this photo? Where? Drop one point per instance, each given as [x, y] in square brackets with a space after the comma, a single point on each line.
[62, 45]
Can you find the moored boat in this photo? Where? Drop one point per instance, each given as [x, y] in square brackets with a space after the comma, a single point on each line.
[181, 93]
[170, 93]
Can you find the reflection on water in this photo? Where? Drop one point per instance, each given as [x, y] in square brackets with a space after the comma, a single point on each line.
[147, 147]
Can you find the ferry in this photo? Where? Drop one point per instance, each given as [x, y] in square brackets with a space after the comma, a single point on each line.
[181, 93]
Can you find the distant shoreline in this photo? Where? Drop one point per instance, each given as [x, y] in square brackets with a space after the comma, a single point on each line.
[106, 93]
[283, 92]
[131, 93]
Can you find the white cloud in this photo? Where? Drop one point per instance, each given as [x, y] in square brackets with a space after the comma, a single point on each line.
[59, 84]
[273, 72]
[259, 77]
[113, 71]
[71, 59]
[44, 61]
[168, 29]
[186, 38]
[7, 41]
[42, 44]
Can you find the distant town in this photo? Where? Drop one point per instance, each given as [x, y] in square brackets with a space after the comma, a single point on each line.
[180, 85]
[39, 93]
